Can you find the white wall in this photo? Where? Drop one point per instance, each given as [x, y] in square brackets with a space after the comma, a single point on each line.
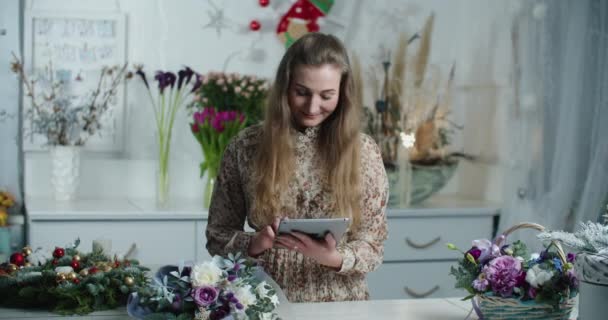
[162, 34]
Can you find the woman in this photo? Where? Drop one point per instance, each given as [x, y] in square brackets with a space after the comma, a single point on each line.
[308, 160]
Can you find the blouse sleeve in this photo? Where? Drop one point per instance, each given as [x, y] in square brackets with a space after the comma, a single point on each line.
[227, 212]
[364, 250]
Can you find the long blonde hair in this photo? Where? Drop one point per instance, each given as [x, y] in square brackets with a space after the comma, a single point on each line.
[338, 144]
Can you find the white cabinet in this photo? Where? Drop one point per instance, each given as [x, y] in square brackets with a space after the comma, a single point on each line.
[161, 236]
[416, 259]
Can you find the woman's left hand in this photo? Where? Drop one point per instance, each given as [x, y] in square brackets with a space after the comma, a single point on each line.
[323, 251]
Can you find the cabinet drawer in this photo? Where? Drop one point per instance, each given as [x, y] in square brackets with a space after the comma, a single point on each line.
[425, 238]
[157, 243]
[413, 280]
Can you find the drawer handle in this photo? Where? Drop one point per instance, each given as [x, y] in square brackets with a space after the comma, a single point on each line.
[417, 295]
[421, 246]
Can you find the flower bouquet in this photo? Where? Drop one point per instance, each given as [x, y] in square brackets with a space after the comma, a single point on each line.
[213, 130]
[224, 105]
[218, 289]
[67, 281]
[505, 281]
[172, 93]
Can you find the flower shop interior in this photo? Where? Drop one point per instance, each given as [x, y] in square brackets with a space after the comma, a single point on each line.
[488, 116]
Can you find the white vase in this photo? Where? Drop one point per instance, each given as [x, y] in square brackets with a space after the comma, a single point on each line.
[593, 291]
[65, 172]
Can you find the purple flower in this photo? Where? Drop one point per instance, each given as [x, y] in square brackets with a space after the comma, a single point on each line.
[571, 257]
[475, 253]
[218, 124]
[231, 277]
[488, 249]
[572, 278]
[532, 292]
[205, 295]
[194, 127]
[177, 302]
[239, 306]
[481, 283]
[503, 274]
[184, 77]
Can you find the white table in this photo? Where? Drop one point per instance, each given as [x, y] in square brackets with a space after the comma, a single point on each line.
[435, 309]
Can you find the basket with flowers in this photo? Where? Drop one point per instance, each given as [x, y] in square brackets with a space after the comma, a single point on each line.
[505, 281]
[232, 288]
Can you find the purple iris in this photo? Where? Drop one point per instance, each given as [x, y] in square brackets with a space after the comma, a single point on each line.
[475, 252]
[204, 296]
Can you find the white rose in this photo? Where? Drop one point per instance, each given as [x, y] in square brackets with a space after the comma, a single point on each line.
[245, 296]
[65, 270]
[537, 277]
[261, 289]
[40, 256]
[205, 274]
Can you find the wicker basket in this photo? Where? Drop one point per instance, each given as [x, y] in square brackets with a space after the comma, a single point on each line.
[494, 307]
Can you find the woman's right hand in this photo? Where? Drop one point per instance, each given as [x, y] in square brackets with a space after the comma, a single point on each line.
[263, 239]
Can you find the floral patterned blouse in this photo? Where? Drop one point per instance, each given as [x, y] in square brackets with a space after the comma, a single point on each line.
[302, 279]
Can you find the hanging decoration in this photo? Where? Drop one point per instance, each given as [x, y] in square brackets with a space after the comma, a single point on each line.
[301, 18]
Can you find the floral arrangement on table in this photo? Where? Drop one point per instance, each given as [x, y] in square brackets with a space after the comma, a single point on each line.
[7, 201]
[502, 277]
[409, 117]
[68, 281]
[224, 105]
[64, 118]
[173, 91]
[216, 289]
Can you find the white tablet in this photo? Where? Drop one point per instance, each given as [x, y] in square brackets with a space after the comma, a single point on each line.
[316, 228]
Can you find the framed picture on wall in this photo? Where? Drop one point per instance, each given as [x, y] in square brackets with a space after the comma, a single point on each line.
[77, 46]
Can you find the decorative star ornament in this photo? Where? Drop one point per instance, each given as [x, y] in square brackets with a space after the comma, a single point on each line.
[217, 20]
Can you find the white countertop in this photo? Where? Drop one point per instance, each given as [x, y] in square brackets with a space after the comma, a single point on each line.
[432, 309]
[40, 209]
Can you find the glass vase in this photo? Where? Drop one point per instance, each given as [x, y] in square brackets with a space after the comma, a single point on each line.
[404, 184]
[163, 183]
[209, 185]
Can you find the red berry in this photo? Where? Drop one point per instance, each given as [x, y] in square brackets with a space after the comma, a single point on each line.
[264, 3]
[76, 280]
[55, 262]
[58, 253]
[93, 270]
[254, 25]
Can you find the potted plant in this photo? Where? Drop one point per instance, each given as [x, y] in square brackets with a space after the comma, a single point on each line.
[591, 242]
[65, 119]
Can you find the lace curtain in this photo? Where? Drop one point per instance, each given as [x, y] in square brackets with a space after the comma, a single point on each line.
[558, 123]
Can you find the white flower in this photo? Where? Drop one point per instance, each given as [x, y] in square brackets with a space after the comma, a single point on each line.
[40, 256]
[266, 316]
[274, 299]
[261, 289]
[245, 296]
[537, 277]
[65, 270]
[534, 256]
[407, 140]
[206, 274]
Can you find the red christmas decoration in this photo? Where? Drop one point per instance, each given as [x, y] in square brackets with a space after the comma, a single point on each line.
[302, 18]
[264, 3]
[116, 264]
[17, 259]
[75, 264]
[254, 25]
[76, 280]
[58, 253]
[55, 262]
[93, 270]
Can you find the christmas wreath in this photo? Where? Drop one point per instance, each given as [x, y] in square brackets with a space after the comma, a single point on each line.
[67, 281]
